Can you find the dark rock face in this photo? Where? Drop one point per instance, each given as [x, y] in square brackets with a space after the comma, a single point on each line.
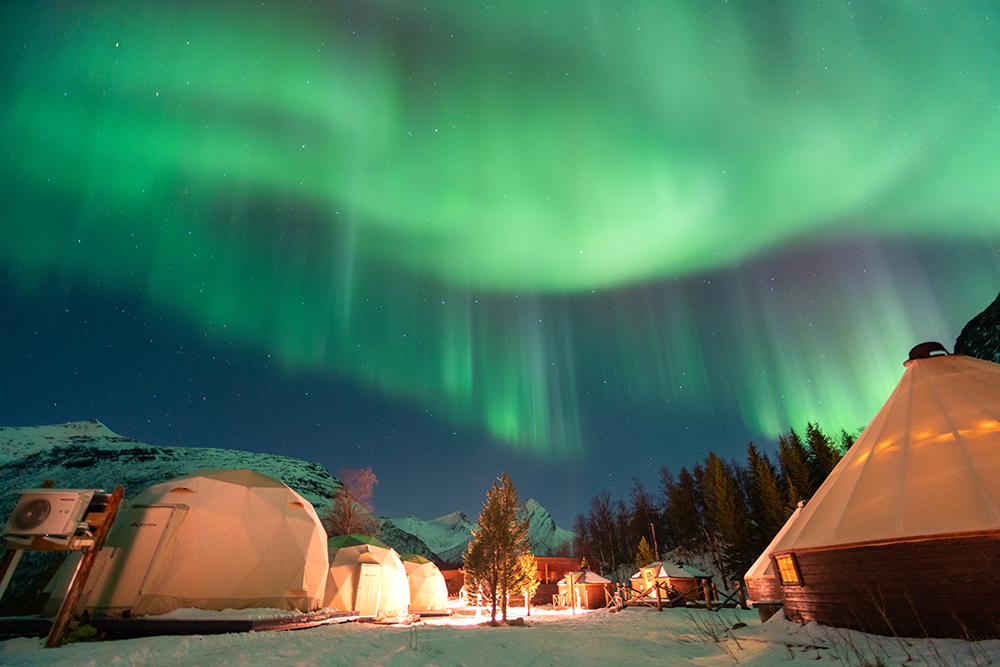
[980, 338]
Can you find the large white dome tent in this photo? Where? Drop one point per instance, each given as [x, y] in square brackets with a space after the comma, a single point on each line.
[214, 540]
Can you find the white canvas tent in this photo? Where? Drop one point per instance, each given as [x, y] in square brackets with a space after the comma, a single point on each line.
[216, 539]
[928, 463]
[761, 579]
[904, 535]
[428, 591]
[365, 576]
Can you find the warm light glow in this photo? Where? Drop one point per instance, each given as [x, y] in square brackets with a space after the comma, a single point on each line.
[787, 570]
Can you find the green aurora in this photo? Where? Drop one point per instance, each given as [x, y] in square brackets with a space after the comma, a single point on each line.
[518, 214]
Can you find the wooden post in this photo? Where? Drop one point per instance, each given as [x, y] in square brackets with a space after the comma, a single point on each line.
[61, 623]
[659, 602]
[7, 565]
[742, 593]
[708, 594]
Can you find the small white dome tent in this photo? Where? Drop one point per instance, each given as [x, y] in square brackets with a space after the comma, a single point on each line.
[215, 539]
[428, 591]
[365, 576]
[903, 537]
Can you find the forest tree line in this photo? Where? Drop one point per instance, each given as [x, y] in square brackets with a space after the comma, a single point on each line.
[728, 510]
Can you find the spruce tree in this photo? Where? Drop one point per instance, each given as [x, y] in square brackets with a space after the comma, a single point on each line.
[772, 506]
[825, 453]
[794, 498]
[729, 516]
[796, 464]
[846, 440]
[492, 555]
[644, 556]
[683, 509]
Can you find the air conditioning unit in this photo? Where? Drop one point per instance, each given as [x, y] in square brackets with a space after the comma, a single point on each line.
[48, 512]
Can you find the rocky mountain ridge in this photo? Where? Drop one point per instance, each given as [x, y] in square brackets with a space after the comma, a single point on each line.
[980, 337]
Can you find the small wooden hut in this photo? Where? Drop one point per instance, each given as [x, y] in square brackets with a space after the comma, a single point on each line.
[676, 581]
[903, 537]
[551, 571]
[589, 590]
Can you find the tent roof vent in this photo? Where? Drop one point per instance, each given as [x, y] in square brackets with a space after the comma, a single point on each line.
[926, 351]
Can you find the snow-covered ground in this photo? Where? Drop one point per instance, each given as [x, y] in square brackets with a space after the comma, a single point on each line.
[635, 636]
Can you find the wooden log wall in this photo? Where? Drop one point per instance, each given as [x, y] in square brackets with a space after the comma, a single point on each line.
[940, 587]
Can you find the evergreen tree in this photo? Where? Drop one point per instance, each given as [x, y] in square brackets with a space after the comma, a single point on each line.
[825, 452]
[644, 515]
[492, 555]
[644, 556]
[666, 533]
[527, 578]
[796, 464]
[730, 517]
[846, 440]
[683, 509]
[793, 499]
[771, 516]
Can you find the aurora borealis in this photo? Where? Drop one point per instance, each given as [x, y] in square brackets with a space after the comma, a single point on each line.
[535, 236]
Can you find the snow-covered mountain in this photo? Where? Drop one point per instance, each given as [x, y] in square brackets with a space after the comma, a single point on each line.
[448, 536]
[547, 539]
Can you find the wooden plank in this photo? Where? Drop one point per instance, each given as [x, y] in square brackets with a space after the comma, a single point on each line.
[11, 557]
[61, 622]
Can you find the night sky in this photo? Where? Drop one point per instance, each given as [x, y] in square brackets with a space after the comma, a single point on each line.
[576, 241]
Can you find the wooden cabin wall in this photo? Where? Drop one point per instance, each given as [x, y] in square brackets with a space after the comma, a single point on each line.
[763, 588]
[941, 587]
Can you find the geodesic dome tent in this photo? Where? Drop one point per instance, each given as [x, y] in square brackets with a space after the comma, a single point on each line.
[365, 576]
[428, 591]
[215, 539]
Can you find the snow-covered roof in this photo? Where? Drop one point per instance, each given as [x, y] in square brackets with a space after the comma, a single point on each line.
[693, 571]
[588, 577]
[672, 570]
